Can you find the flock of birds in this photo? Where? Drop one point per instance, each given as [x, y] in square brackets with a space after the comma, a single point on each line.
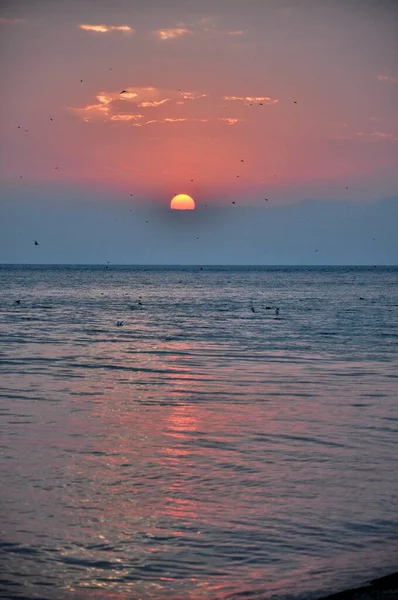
[120, 322]
[36, 243]
[139, 305]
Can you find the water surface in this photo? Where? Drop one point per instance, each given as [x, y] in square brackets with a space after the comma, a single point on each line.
[201, 450]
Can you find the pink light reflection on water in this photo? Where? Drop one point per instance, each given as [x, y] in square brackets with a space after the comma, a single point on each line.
[151, 464]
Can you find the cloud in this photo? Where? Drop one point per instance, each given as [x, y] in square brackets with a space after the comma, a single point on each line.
[174, 32]
[204, 26]
[100, 111]
[112, 103]
[231, 121]
[114, 106]
[208, 25]
[192, 95]
[139, 94]
[126, 117]
[176, 120]
[104, 99]
[251, 99]
[166, 120]
[4, 21]
[94, 111]
[153, 103]
[107, 28]
[376, 136]
[387, 78]
[127, 95]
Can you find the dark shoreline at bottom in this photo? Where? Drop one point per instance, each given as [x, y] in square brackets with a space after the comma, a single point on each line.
[383, 588]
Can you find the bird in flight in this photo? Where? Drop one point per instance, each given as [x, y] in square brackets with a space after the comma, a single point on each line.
[36, 243]
[124, 92]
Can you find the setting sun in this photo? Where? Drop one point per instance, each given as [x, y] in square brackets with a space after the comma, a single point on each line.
[182, 202]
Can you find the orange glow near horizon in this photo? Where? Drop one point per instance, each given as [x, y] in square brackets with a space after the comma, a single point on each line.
[182, 202]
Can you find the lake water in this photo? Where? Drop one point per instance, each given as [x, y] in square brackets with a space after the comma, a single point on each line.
[201, 450]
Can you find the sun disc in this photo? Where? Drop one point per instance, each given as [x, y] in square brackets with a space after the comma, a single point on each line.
[182, 202]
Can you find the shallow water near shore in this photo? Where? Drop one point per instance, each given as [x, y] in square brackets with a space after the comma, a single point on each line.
[201, 450]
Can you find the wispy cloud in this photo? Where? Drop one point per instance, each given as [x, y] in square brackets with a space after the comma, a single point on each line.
[377, 136]
[177, 120]
[166, 120]
[126, 117]
[209, 25]
[127, 95]
[387, 78]
[153, 103]
[174, 32]
[100, 111]
[4, 21]
[192, 95]
[140, 94]
[94, 111]
[112, 103]
[107, 28]
[231, 121]
[204, 26]
[166, 103]
[251, 99]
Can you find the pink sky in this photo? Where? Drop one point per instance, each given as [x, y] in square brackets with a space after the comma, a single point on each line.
[195, 74]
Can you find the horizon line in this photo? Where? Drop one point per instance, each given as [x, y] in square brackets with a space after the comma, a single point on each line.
[109, 265]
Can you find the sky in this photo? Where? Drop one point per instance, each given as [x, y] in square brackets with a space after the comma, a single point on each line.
[279, 117]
